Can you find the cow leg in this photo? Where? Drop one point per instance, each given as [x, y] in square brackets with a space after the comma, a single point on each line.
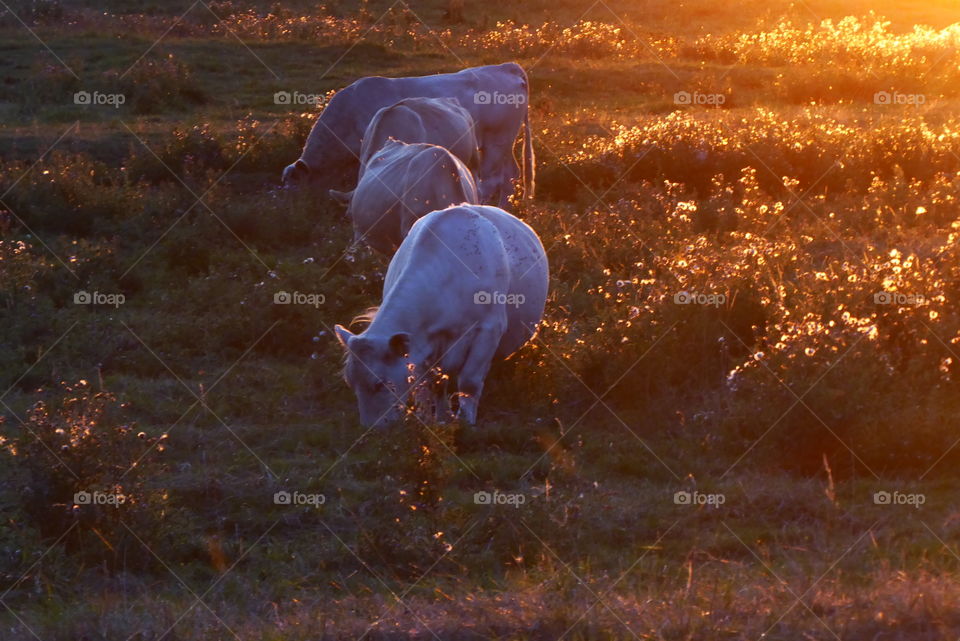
[505, 194]
[474, 372]
[441, 402]
[426, 393]
[431, 401]
[509, 173]
[495, 190]
[487, 190]
[490, 177]
[423, 400]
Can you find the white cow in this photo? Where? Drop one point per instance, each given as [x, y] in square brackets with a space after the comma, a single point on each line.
[467, 285]
[401, 183]
[438, 121]
[496, 97]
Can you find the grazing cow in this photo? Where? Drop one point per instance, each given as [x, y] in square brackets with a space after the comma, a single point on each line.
[438, 121]
[496, 96]
[402, 183]
[467, 285]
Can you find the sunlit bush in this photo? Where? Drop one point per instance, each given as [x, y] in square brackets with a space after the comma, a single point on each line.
[81, 468]
[70, 193]
[811, 147]
[159, 83]
[867, 44]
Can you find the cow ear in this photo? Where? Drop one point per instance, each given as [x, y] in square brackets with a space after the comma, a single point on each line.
[400, 345]
[341, 197]
[343, 335]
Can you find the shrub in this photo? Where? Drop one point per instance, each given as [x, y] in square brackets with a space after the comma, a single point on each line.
[74, 449]
[72, 194]
[157, 84]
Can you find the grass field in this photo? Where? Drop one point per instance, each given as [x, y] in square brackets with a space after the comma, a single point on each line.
[738, 420]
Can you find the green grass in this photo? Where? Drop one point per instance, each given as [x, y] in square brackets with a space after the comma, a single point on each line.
[798, 201]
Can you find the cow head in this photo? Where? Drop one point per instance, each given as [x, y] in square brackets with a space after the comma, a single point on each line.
[296, 174]
[377, 370]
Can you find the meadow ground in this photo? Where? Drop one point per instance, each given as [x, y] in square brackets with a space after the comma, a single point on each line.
[738, 419]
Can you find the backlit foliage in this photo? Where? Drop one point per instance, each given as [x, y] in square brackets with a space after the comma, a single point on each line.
[868, 44]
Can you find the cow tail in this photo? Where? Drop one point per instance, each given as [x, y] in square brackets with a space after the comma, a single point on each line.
[529, 161]
[464, 194]
[471, 192]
